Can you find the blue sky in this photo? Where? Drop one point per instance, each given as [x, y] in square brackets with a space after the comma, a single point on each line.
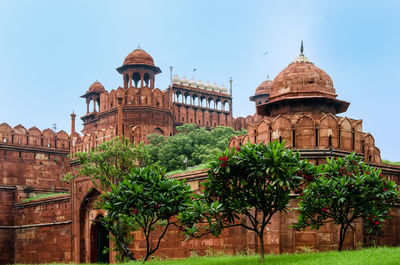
[51, 51]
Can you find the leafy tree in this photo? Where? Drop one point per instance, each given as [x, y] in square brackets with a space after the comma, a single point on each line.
[253, 181]
[150, 199]
[107, 165]
[190, 144]
[348, 189]
[136, 195]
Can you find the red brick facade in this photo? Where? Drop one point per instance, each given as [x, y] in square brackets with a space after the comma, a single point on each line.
[299, 107]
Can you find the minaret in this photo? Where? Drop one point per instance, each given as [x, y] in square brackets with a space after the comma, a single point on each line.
[73, 115]
[171, 93]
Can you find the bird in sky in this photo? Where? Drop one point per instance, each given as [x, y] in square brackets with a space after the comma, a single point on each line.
[265, 53]
[195, 69]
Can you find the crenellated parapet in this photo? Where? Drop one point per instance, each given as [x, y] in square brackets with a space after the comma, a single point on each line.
[33, 138]
[133, 96]
[33, 158]
[313, 132]
[90, 141]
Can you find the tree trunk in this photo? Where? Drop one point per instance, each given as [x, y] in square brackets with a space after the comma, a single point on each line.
[126, 250]
[261, 236]
[343, 229]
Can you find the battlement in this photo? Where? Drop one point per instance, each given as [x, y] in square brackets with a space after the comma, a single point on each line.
[47, 139]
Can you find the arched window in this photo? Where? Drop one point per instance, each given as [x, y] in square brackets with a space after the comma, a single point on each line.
[135, 79]
[195, 100]
[203, 102]
[187, 99]
[226, 106]
[211, 103]
[146, 79]
[219, 105]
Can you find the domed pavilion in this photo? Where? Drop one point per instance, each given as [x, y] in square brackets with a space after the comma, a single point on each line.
[300, 107]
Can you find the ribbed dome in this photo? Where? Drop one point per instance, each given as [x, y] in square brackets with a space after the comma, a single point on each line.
[139, 56]
[264, 87]
[302, 87]
[96, 87]
[302, 79]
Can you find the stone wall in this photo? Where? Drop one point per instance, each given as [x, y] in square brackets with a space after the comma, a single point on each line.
[43, 231]
[7, 197]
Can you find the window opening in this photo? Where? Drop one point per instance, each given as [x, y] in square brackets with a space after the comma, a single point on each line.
[294, 138]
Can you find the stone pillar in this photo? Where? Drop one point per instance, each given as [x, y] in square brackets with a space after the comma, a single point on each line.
[119, 99]
[94, 104]
[87, 105]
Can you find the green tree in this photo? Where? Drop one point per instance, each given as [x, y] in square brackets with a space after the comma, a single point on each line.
[107, 165]
[135, 194]
[253, 181]
[190, 144]
[348, 189]
[148, 198]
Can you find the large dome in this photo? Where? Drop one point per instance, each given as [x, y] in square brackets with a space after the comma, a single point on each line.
[302, 79]
[139, 56]
[302, 87]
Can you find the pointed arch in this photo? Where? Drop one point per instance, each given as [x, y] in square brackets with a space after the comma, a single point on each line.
[157, 100]
[86, 207]
[263, 131]
[328, 129]
[233, 142]
[345, 136]
[19, 134]
[304, 134]
[281, 130]
[34, 135]
[5, 133]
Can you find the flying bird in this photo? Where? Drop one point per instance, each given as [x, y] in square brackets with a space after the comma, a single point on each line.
[265, 53]
[195, 69]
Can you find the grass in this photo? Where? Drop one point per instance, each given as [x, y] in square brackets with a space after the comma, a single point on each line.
[378, 256]
[198, 167]
[366, 256]
[390, 163]
[44, 195]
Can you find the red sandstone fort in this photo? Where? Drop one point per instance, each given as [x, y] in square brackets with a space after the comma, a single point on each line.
[299, 106]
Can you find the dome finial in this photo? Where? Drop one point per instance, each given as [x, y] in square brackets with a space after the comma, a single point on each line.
[301, 58]
[301, 47]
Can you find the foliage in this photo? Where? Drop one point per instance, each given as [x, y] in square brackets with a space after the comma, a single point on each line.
[44, 195]
[109, 162]
[179, 171]
[107, 165]
[347, 190]
[148, 198]
[253, 181]
[195, 145]
[390, 162]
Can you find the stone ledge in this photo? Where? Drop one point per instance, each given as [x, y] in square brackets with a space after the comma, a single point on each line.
[43, 201]
[34, 225]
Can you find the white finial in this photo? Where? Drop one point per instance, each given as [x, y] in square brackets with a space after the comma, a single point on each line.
[230, 85]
